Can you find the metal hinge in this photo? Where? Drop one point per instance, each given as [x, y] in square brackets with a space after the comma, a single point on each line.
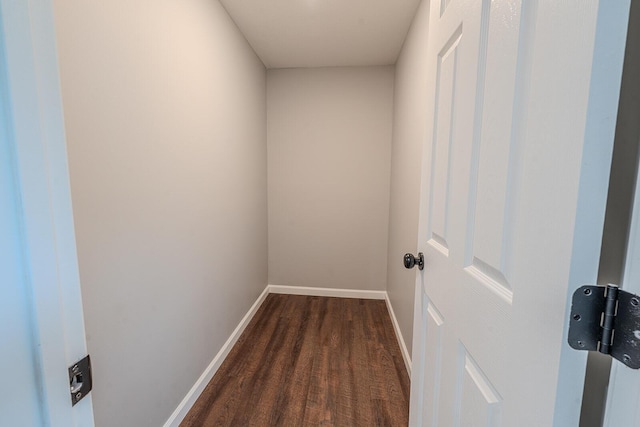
[80, 379]
[606, 319]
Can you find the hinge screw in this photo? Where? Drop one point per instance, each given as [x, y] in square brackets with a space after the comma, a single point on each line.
[626, 358]
[576, 317]
[634, 301]
[78, 395]
[587, 291]
[580, 343]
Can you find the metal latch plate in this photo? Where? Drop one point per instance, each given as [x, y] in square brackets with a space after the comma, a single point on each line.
[80, 379]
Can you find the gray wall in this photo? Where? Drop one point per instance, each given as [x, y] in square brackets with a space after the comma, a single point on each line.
[329, 144]
[409, 133]
[165, 110]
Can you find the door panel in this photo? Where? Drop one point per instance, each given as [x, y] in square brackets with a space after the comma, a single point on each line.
[433, 339]
[504, 173]
[457, 45]
[490, 193]
[444, 120]
[480, 404]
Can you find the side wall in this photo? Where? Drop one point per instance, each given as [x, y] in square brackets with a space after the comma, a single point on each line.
[165, 110]
[329, 138]
[410, 105]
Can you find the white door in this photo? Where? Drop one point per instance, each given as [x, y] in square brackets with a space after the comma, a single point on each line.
[41, 321]
[623, 398]
[515, 174]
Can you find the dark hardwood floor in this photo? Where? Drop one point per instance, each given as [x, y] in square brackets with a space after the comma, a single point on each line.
[310, 361]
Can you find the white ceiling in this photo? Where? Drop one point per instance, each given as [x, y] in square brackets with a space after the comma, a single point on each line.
[319, 33]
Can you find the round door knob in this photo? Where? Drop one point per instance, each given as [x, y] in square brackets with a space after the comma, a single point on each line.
[410, 261]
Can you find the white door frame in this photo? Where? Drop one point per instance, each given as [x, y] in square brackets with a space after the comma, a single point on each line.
[604, 95]
[40, 167]
[623, 395]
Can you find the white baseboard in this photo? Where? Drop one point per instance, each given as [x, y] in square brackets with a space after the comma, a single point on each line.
[327, 292]
[183, 408]
[403, 347]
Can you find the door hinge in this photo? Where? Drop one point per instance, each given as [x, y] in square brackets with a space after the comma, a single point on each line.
[606, 319]
[80, 379]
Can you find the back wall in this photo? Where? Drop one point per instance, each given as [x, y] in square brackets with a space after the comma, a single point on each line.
[329, 150]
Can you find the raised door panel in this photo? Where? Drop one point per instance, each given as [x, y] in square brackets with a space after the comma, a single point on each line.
[479, 403]
[495, 154]
[440, 218]
[434, 340]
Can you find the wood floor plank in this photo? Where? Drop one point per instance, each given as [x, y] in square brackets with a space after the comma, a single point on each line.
[310, 361]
